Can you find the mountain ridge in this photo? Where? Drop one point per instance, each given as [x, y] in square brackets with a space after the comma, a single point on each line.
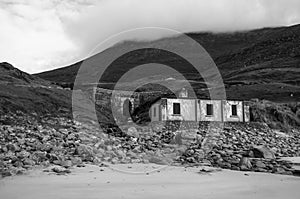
[262, 63]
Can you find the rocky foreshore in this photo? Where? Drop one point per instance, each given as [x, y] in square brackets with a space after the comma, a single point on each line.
[249, 147]
[27, 142]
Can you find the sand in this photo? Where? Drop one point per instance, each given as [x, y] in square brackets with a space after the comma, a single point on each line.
[170, 182]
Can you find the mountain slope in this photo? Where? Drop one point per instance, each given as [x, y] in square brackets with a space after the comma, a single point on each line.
[20, 91]
[263, 63]
[65, 75]
[12, 75]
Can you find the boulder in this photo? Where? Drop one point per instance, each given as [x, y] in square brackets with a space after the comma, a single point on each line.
[66, 164]
[60, 170]
[23, 154]
[85, 152]
[158, 160]
[18, 164]
[245, 164]
[177, 139]
[260, 164]
[132, 131]
[263, 152]
[13, 147]
[39, 156]
[278, 170]
[28, 162]
[76, 161]
[6, 173]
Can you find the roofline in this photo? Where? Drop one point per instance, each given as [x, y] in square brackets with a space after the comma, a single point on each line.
[206, 99]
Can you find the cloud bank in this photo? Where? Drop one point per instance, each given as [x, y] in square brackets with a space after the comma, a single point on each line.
[42, 35]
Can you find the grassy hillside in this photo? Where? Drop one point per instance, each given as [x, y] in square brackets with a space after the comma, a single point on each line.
[262, 63]
[20, 91]
[12, 75]
[277, 115]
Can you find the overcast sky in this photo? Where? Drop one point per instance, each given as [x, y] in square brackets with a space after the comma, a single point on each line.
[39, 35]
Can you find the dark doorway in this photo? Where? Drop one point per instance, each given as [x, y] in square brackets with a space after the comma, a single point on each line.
[127, 107]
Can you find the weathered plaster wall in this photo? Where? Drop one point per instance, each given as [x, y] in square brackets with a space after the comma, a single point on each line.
[227, 111]
[187, 108]
[201, 110]
[246, 112]
[163, 103]
[155, 112]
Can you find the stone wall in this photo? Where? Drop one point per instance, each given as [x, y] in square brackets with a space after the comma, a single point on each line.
[246, 112]
[115, 99]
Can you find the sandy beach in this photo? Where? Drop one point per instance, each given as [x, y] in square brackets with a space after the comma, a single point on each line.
[164, 182]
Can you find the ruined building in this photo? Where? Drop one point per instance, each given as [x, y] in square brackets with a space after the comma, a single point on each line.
[186, 108]
[183, 108]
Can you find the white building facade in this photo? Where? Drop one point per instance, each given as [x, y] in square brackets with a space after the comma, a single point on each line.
[189, 109]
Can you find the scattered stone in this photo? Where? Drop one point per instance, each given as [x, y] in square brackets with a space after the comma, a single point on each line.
[208, 170]
[60, 170]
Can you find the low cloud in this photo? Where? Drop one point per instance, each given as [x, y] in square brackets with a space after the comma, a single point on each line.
[110, 17]
[43, 35]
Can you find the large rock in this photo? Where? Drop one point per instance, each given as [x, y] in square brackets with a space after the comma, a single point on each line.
[60, 170]
[260, 164]
[263, 152]
[245, 164]
[177, 139]
[159, 160]
[23, 154]
[132, 131]
[12, 147]
[85, 152]
[28, 162]
[66, 163]
[76, 161]
[6, 173]
[39, 156]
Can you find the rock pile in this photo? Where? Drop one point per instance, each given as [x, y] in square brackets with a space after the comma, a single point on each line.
[26, 142]
[252, 147]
